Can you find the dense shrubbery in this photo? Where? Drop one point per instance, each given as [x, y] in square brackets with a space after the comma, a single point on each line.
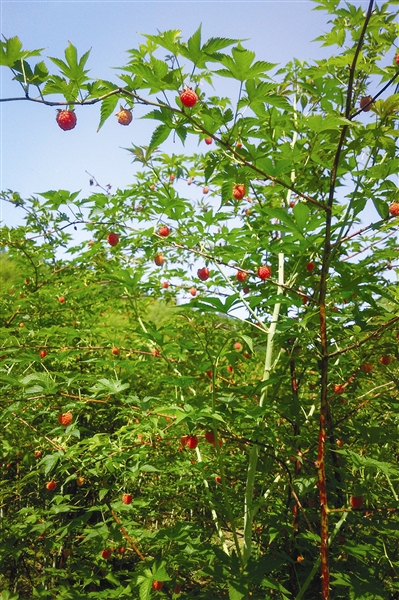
[285, 379]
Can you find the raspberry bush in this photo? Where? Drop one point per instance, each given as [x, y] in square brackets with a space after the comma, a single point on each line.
[203, 438]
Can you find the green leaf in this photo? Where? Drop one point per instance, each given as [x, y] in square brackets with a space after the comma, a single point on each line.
[301, 213]
[160, 134]
[107, 108]
[11, 52]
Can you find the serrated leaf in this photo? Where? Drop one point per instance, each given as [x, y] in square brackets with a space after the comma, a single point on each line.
[301, 213]
[107, 108]
[11, 52]
[145, 589]
[160, 134]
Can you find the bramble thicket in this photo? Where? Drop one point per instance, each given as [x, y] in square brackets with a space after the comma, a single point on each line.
[200, 372]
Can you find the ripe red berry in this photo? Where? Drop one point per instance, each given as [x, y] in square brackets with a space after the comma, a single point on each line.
[159, 260]
[112, 239]
[157, 585]
[385, 360]
[177, 589]
[367, 367]
[364, 103]
[230, 369]
[65, 419]
[356, 501]
[193, 291]
[171, 177]
[106, 554]
[397, 59]
[192, 442]
[205, 190]
[264, 272]
[115, 351]
[394, 209]
[239, 144]
[210, 437]
[218, 479]
[127, 498]
[241, 276]
[208, 141]
[238, 346]
[51, 485]
[310, 266]
[66, 119]
[165, 285]
[164, 231]
[121, 550]
[203, 273]
[124, 116]
[338, 389]
[300, 559]
[61, 299]
[42, 353]
[37, 454]
[292, 204]
[239, 191]
[188, 98]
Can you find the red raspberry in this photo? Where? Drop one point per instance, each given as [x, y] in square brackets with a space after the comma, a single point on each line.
[310, 266]
[394, 209]
[193, 291]
[112, 239]
[165, 285]
[157, 585]
[356, 501]
[210, 436]
[188, 98]
[66, 119]
[115, 351]
[203, 273]
[164, 231]
[65, 419]
[241, 276]
[127, 498]
[159, 260]
[208, 141]
[191, 442]
[124, 116]
[106, 554]
[385, 360]
[397, 59]
[51, 485]
[364, 103]
[205, 190]
[239, 191]
[264, 272]
[42, 353]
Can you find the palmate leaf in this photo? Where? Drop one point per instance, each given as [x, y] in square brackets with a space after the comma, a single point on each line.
[167, 39]
[239, 65]
[73, 68]
[11, 52]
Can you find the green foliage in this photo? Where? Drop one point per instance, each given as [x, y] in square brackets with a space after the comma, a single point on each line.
[289, 384]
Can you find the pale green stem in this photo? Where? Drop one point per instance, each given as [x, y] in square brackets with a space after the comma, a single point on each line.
[213, 511]
[249, 512]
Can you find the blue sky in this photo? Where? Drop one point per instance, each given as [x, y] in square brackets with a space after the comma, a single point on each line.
[37, 156]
